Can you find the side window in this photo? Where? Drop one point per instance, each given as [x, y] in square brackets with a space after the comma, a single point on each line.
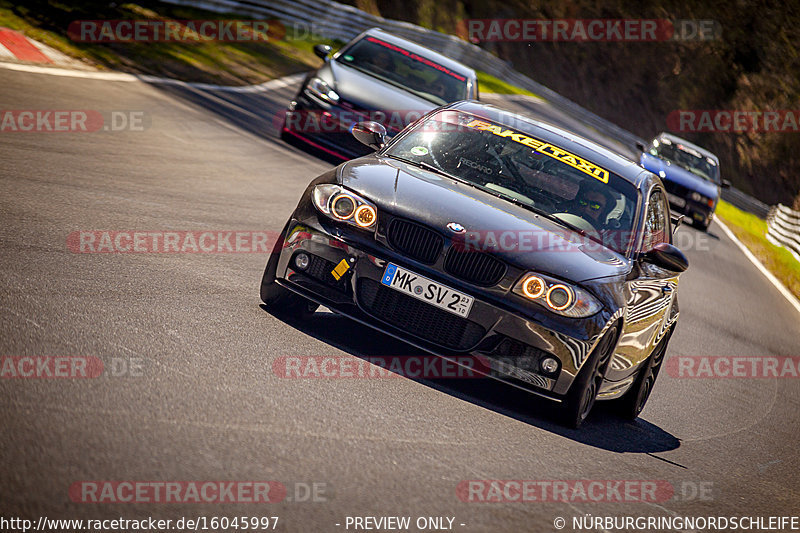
[656, 221]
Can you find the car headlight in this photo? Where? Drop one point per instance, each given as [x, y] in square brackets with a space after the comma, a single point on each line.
[340, 204]
[320, 89]
[559, 297]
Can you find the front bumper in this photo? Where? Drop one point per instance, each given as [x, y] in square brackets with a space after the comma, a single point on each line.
[694, 211]
[501, 337]
[323, 126]
[680, 201]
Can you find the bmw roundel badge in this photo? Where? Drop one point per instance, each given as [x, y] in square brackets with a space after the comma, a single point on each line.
[455, 227]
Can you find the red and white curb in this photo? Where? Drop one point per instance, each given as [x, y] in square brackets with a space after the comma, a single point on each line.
[14, 46]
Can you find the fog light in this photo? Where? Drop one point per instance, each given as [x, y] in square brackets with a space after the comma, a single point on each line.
[548, 365]
[302, 260]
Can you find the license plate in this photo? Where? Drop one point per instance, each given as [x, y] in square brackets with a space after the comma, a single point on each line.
[676, 200]
[427, 290]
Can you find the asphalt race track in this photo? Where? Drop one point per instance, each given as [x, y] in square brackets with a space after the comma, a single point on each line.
[195, 396]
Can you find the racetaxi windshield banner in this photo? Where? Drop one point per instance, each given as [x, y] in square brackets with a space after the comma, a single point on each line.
[543, 148]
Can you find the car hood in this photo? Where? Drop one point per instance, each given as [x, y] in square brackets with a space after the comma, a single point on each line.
[366, 92]
[524, 239]
[679, 175]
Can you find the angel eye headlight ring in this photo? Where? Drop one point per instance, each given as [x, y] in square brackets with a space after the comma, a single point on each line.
[534, 287]
[560, 293]
[343, 206]
[365, 216]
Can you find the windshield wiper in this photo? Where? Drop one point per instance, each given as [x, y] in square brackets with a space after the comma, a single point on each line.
[426, 166]
[542, 212]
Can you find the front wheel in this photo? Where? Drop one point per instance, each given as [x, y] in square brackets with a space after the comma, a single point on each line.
[583, 392]
[632, 403]
[280, 299]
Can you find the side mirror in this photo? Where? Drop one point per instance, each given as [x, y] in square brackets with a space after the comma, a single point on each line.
[373, 134]
[726, 184]
[322, 50]
[666, 256]
[640, 146]
[676, 221]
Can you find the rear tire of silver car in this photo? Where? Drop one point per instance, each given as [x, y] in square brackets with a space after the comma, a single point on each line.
[583, 392]
[280, 299]
[632, 403]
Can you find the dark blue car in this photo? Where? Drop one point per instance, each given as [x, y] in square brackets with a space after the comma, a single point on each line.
[690, 175]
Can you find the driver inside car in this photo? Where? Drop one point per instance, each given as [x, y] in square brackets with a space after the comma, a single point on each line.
[593, 203]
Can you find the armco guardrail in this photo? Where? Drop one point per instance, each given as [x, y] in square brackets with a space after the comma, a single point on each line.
[745, 202]
[333, 20]
[783, 228]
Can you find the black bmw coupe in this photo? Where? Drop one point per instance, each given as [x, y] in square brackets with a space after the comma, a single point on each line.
[479, 232]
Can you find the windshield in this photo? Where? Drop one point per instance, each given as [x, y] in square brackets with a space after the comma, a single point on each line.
[686, 158]
[510, 164]
[405, 69]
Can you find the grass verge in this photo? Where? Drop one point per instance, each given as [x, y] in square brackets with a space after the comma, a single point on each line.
[490, 84]
[228, 63]
[752, 231]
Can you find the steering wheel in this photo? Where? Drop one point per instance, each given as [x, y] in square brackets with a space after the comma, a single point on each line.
[541, 199]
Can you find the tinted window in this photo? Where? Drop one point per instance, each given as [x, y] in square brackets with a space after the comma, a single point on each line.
[403, 68]
[685, 157]
[508, 162]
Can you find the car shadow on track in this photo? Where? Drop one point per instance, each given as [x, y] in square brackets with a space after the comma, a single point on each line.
[602, 430]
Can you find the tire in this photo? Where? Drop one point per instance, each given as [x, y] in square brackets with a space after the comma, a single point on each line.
[632, 403]
[280, 299]
[583, 392]
[282, 133]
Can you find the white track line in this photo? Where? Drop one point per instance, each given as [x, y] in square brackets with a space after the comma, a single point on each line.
[753, 259]
[270, 85]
